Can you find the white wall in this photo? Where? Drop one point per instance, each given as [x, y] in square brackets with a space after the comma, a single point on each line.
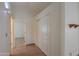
[55, 30]
[52, 41]
[19, 29]
[28, 35]
[71, 35]
[4, 41]
[62, 16]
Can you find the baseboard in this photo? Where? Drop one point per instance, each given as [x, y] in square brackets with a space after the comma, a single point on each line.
[41, 50]
[30, 44]
[19, 38]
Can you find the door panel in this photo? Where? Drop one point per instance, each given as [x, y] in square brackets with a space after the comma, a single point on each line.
[43, 34]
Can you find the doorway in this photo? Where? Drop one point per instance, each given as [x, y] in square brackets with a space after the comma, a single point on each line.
[17, 33]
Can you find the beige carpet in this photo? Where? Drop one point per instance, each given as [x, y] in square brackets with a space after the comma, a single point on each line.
[31, 50]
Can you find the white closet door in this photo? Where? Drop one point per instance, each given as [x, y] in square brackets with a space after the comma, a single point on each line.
[43, 34]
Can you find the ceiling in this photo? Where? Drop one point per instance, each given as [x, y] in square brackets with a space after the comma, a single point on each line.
[26, 11]
[33, 7]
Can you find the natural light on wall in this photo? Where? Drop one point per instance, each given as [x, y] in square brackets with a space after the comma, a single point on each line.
[6, 5]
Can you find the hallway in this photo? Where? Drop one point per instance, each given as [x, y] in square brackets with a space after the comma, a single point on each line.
[52, 26]
[30, 50]
[19, 42]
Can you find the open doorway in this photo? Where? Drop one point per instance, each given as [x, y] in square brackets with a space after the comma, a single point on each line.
[17, 34]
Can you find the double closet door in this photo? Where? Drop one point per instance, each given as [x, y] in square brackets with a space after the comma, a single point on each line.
[43, 41]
